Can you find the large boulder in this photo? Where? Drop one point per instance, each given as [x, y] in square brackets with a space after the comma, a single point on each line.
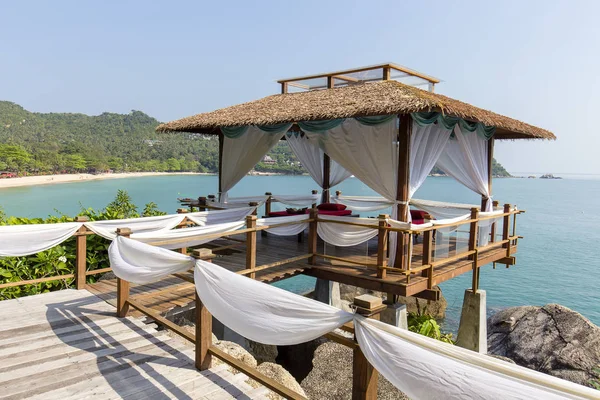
[279, 374]
[331, 376]
[552, 339]
[437, 309]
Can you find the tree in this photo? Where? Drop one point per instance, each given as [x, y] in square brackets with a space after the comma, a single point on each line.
[75, 162]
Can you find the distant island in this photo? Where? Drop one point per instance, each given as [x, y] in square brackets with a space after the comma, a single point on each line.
[66, 143]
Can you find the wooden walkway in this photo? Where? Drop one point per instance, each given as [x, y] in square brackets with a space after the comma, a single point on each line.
[69, 345]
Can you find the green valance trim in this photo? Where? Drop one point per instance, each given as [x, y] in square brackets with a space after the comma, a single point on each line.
[234, 132]
[320, 126]
[449, 122]
[375, 120]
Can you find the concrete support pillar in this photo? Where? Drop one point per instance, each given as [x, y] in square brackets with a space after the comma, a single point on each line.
[328, 292]
[472, 331]
[395, 314]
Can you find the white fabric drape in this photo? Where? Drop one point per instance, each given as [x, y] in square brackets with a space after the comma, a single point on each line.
[141, 263]
[203, 218]
[408, 225]
[346, 235]
[107, 229]
[312, 158]
[362, 203]
[442, 210]
[419, 366]
[241, 154]
[370, 153]
[238, 202]
[187, 237]
[466, 160]
[426, 145]
[297, 200]
[24, 240]
[424, 368]
[263, 313]
[287, 230]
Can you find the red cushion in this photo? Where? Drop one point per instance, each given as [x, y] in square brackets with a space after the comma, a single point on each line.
[331, 207]
[417, 214]
[418, 221]
[339, 213]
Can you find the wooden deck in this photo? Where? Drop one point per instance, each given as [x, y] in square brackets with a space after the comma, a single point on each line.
[69, 345]
[173, 295]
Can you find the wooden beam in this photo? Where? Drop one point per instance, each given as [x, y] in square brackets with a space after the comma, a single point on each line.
[284, 87]
[473, 234]
[81, 254]
[386, 73]
[326, 177]
[490, 155]
[122, 285]
[347, 78]
[364, 375]
[221, 141]
[366, 282]
[312, 235]
[382, 242]
[203, 335]
[404, 134]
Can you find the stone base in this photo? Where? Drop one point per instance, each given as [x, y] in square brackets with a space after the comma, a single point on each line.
[472, 331]
[396, 315]
[328, 292]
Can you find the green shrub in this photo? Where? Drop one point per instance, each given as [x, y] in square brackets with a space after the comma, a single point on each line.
[596, 381]
[60, 260]
[424, 324]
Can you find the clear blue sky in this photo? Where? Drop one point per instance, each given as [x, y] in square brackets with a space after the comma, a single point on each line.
[532, 60]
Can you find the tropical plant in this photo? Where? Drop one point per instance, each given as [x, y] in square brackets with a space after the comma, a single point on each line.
[424, 324]
[60, 260]
[595, 382]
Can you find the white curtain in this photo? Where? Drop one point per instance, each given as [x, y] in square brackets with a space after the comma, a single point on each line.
[370, 153]
[312, 158]
[363, 203]
[237, 202]
[187, 237]
[24, 240]
[466, 160]
[297, 200]
[441, 209]
[203, 218]
[263, 313]
[287, 230]
[141, 263]
[426, 145]
[346, 235]
[107, 229]
[242, 153]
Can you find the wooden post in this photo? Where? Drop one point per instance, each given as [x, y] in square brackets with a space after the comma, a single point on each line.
[122, 285]
[221, 141]
[268, 204]
[255, 205]
[490, 151]
[312, 236]
[203, 323]
[493, 229]
[182, 224]
[326, 178]
[364, 376]
[427, 259]
[404, 134]
[386, 73]
[284, 87]
[382, 236]
[202, 203]
[473, 232]
[251, 245]
[506, 228]
[80, 254]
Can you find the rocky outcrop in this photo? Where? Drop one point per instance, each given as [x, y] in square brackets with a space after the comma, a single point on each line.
[262, 352]
[552, 339]
[331, 376]
[279, 374]
[437, 309]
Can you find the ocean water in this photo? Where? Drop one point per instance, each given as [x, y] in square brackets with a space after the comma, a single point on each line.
[557, 261]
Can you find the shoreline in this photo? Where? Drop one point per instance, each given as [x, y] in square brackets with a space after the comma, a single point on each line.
[71, 178]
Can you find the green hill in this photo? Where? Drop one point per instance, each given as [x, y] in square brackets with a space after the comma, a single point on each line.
[64, 142]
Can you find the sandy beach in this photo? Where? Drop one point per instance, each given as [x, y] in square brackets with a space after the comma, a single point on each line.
[67, 178]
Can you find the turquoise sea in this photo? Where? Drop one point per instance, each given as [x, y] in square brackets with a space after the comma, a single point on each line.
[556, 261]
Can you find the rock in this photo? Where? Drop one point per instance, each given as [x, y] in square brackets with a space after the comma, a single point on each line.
[298, 358]
[279, 374]
[437, 309]
[331, 376]
[262, 352]
[107, 276]
[551, 339]
[237, 352]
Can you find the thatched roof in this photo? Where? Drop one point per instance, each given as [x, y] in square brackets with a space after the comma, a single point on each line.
[377, 98]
